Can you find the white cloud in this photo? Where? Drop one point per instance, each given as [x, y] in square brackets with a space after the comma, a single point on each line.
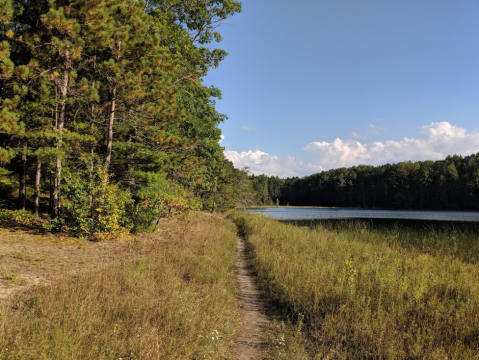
[375, 129]
[357, 136]
[260, 162]
[248, 128]
[338, 153]
[441, 139]
[438, 140]
[221, 138]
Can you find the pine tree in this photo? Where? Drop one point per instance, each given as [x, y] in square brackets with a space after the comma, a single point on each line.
[12, 129]
[111, 91]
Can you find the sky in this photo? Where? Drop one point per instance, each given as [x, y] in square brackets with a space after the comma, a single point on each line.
[312, 85]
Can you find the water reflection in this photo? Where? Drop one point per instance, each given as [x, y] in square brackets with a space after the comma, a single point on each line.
[291, 213]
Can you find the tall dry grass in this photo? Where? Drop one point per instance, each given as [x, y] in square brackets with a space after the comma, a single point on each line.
[365, 300]
[175, 300]
[458, 239]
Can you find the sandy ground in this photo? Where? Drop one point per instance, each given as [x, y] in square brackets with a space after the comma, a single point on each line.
[28, 259]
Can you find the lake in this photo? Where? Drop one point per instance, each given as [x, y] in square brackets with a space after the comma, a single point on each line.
[292, 213]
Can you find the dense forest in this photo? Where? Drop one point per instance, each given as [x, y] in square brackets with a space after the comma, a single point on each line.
[451, 184]
[105, 123]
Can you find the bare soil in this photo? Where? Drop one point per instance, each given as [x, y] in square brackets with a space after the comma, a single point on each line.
[29, 259]
[251, 340]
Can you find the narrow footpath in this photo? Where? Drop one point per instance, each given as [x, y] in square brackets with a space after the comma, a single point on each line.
[249, 342]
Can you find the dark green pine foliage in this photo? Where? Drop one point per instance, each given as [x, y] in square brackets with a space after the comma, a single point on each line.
[103, 113]
[13, 75]
[188, 26]
[449, 184]
[11, 128]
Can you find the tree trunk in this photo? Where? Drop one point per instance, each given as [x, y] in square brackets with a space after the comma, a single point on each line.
[90, 193]
[111, 120]
[214, 203]
[58, 162]
[131, 170]
[36, 200]
[50, 204]
[22, 192]
[109, 139]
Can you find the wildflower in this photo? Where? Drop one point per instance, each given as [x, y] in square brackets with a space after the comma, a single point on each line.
[280, 341]
[214, 335]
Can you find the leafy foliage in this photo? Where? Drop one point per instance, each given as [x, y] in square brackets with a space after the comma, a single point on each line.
[102, 107]
[157, 198]
[96, 208]
[16, 217]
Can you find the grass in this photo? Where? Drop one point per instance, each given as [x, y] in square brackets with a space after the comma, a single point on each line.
[365, 298]
[441, 238]
[12, 277]
[175, 299]
[285, 341]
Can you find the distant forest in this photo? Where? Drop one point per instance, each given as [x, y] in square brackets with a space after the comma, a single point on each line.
[449, 184]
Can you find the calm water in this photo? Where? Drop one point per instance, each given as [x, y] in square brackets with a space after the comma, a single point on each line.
[284, 213]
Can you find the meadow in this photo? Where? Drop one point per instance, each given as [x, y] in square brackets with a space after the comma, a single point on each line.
[171, 295]
[449, 238]
[371, 292]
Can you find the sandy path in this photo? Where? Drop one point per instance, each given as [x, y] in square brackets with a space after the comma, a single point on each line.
[250, 341]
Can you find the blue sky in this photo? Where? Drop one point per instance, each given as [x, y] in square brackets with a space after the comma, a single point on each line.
[314, 85]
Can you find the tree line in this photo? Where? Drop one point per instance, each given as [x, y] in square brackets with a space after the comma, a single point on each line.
[449, 184]
[105, 123]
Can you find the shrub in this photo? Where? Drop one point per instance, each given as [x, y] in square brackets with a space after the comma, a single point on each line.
[158, 197]
[16, 217]
[96, 208]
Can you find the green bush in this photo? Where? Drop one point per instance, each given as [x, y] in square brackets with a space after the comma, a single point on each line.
[96, 208]
[16, 217]
[54, 225]
[158, 197]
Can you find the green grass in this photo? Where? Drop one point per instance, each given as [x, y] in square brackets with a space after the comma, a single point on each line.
[175, 298]
[12, 277]
[362, 298]
[457, 239]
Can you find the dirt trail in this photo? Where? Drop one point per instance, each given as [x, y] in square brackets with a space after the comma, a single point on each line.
[250, 341]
